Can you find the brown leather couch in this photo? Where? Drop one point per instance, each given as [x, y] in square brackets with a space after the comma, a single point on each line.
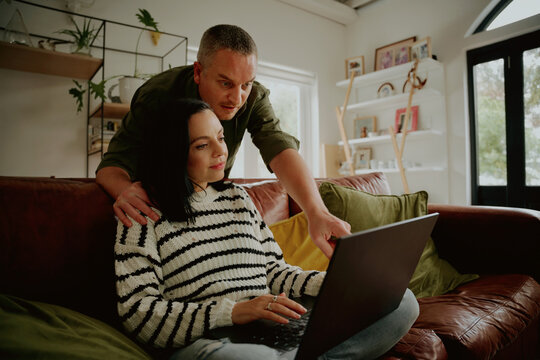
[56, 239]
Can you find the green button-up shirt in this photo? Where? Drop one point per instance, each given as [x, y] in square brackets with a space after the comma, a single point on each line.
[256, 116]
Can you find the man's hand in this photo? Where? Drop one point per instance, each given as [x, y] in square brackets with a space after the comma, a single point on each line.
[132, 201]
[322, 227]
[267, 307]
[295, 176]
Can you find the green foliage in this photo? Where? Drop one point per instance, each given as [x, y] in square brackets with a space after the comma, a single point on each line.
[83, 36]
[531, 99]
[148, 21]
[491, 119]
[78, 92]
[96, 89]
[491, 135]
[491, 127]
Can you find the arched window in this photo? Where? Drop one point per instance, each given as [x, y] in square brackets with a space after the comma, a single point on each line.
[503, 12]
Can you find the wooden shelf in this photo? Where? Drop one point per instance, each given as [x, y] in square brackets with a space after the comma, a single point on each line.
[111, 111]
[25, 58]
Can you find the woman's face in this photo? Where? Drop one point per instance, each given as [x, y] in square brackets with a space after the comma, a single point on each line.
[207, 150]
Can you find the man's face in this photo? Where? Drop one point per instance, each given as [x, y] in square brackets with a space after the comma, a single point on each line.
[226, 82]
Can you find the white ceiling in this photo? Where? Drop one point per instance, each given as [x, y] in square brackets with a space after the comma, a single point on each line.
[341, 11]
[355, 4]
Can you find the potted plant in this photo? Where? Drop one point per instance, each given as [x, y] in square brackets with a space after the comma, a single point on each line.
[127, 84]
[83, 37]
[148, 21]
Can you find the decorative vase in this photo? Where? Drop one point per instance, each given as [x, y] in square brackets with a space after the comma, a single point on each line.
[128, 85]
[85, 50]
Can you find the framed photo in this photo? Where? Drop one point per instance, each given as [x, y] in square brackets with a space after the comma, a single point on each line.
[361, 158]
[400, 119]
[364, 125]
[354, 64]
[421, 49]
[386, 56]
[386, 89]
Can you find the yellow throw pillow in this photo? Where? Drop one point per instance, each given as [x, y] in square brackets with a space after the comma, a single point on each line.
[292, 235]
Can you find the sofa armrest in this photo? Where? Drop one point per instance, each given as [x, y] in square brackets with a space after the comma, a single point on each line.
[488, 240]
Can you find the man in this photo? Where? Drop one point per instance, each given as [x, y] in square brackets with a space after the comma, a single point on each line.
[224, 77]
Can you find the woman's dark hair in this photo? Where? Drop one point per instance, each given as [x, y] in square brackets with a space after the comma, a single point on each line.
[162, 165]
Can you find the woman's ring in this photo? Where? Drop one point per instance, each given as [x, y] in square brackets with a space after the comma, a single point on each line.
[275, 298]
[269, 306]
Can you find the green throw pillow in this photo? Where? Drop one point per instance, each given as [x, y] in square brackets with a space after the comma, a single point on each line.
[433, 276]
[34, 330]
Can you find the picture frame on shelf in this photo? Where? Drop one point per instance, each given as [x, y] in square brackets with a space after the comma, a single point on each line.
[400, 119]
[363, 125]
[385, 90]
[361, 158]
[421, 49]
[385, 56]
[402, 55]
[354, 64]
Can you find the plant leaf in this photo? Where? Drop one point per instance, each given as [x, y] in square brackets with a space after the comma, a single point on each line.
[98, 90]
[146, 19]
[77, 92]
[83, 36]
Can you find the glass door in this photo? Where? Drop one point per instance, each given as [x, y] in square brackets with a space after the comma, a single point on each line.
[504, 108]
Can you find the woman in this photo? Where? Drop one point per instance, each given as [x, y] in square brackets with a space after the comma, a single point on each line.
[210, 260]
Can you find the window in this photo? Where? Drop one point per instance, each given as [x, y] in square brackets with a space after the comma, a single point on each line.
[293, 97]
[504, 101]
[504, 12]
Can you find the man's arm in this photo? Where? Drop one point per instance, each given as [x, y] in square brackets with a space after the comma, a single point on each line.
[294, 174]
[128, 196]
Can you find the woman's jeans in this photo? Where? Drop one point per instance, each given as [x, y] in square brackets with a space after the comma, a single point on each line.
[369, 343]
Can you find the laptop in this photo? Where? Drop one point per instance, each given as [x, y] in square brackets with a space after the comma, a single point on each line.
[379, 262]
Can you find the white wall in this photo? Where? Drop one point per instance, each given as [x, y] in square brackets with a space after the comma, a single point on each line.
[446, 22]
[40, 132]
[41, 135]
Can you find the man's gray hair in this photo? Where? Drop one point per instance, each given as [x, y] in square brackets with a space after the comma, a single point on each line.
[222, 36]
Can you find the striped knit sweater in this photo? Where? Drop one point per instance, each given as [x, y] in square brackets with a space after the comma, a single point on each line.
[175, 280]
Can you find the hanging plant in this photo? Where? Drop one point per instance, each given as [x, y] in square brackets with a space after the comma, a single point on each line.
[96, 89]
[148, 21]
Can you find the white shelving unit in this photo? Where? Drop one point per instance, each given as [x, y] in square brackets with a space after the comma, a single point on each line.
[426, 147]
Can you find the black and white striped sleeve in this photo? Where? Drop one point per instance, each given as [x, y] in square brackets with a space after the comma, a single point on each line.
[282, 277]
[143, 309]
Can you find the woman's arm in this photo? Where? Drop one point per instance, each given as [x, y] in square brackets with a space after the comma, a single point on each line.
[282, 277]
[144, 310]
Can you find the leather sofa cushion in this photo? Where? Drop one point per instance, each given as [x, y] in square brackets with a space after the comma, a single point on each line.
[57, 247]
[419, 344]
[271, 200]
[480, 318]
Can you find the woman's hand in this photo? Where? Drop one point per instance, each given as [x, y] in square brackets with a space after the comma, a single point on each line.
[267, 307]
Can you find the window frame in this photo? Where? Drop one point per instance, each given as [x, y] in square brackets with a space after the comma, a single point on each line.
[515, 193]
[492, 14]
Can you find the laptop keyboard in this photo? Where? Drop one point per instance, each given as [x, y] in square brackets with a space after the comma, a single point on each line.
[284, 337]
